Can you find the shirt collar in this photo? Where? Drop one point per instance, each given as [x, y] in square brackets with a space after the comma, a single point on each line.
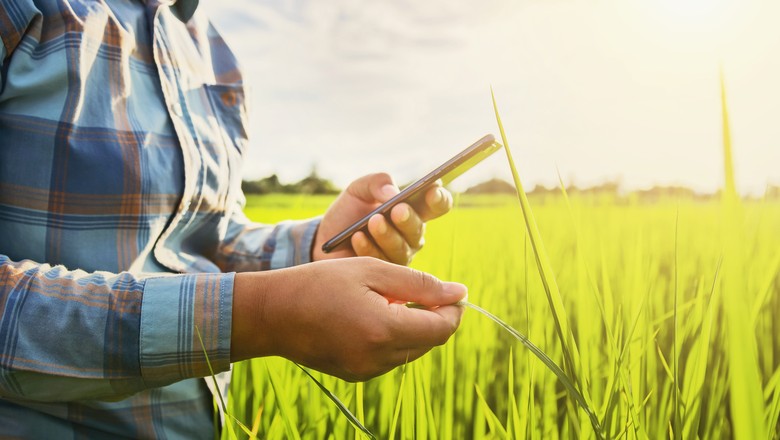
[182, 9]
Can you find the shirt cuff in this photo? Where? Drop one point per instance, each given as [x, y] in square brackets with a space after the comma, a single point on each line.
[173, 310]
[290, 244]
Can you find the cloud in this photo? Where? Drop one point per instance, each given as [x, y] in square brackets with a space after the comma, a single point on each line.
[596, 89]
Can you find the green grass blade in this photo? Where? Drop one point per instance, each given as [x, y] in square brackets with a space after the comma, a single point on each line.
[773, 411]
[562, 327]
[730, 188]
[677, 430]
[420, 416]
[546, 273]
[512, 414]
[494, 424]
[398, 403]
[284, 411]
[228, 426]
[565, 380]
[746, 396]
[700, 352]
[359, 401]
[343, 408]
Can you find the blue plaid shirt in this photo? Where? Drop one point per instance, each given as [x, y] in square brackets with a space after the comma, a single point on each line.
[122, 130]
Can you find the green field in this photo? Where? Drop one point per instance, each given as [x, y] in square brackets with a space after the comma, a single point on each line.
[667, 344]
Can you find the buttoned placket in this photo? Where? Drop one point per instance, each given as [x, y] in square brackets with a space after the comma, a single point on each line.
[174, 99]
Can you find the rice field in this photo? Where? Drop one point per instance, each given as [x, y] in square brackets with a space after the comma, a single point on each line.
[671, 313]
[614, 318]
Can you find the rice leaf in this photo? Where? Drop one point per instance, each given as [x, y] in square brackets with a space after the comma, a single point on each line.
[290, 427]
[359, 404]
[343, 408]
[565, 335]
[730, 185]
[398, 403]
[492, 419]
[675, 356]
[698, 366]
[773, 412]
[228, 426]
[512, 414]
[567, 383]
[745, 392]
[546, 273]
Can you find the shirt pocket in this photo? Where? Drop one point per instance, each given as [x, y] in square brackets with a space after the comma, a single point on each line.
[229, 108]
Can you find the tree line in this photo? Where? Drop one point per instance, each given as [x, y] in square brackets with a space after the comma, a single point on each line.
[315, 184]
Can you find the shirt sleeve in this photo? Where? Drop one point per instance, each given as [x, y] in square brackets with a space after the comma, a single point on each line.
[250, 246]
[71, 335]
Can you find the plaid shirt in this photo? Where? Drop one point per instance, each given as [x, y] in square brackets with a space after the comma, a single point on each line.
[122, 128]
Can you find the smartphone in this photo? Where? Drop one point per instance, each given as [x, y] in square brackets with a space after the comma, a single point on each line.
[447, 172]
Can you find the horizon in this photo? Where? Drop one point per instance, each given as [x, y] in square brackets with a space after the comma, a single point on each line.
[593, 90]
[772, 191]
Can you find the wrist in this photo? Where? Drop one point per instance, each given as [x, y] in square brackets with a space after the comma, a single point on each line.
[252, 326]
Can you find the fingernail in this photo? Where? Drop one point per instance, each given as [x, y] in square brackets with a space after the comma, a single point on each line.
[405, 214]
[389, 190]
[455, 289]
[382, 227]
[438, 196]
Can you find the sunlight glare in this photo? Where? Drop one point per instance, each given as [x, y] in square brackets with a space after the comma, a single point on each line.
[693, 12]
[703, 25]
[705, 18]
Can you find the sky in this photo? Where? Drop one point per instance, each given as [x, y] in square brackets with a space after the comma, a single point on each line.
[595, 90]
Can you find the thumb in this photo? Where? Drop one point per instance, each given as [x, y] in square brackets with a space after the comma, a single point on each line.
[378, 187]
[410, 285]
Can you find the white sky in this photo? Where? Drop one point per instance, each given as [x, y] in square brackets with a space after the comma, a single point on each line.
[599, 89]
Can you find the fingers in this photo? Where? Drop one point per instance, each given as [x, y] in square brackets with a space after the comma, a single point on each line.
[397, 237]
[420, 328]
[373, 188]
[389, 240]
[409, 224]
[365, 247]
[409, 285]
[398, 241]
[438, 201]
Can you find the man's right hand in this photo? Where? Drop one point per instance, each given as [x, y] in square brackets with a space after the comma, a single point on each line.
[345, 317]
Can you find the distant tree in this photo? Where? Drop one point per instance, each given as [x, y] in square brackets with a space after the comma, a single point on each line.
[266, 185]
[658, 192]
[540, 190]
[492, 186]
[772, 192]
[314, 184]
[311, 184]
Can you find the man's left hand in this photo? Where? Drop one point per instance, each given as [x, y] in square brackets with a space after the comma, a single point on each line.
[395, 240]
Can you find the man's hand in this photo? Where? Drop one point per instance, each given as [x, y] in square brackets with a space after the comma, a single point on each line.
[346, 317]
[396, 240]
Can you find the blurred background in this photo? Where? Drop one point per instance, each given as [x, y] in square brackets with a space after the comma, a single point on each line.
[620, 91]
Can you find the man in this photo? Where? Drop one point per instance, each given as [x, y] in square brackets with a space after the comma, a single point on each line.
[122, 130]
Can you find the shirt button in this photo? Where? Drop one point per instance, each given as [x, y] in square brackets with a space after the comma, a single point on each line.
[229, 99]
[176, 108]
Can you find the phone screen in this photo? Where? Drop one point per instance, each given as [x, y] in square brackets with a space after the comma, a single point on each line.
[447, 172]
